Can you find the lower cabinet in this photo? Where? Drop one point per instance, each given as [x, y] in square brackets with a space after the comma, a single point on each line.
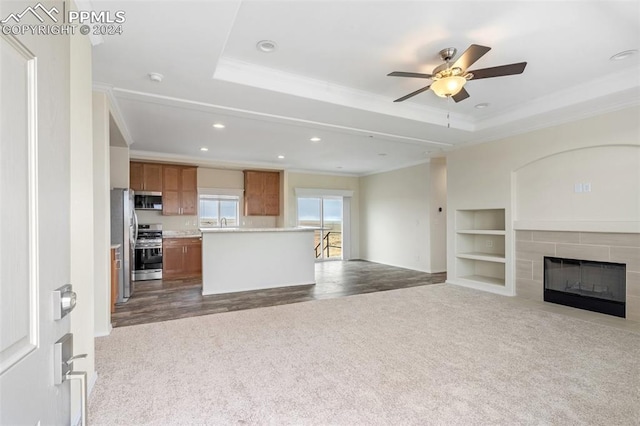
[181, 258]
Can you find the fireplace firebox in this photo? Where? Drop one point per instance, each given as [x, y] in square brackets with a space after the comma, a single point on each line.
[585, 284]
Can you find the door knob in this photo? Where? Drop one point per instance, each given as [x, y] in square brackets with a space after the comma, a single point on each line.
[64, 300]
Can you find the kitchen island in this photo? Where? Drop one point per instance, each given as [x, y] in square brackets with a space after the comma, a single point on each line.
[242, 259]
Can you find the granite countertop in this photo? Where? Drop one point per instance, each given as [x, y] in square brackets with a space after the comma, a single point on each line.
[189, 233]
[230, 229]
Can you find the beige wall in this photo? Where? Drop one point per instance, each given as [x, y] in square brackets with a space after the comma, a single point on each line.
[438, 219]
[220, 178]
[395, 218]
[545, 189]
[486, 175]
[102, 215]
[316, 181]
[119, 167]
[81, 212]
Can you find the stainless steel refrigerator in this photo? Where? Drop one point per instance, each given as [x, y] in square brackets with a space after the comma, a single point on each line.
[124, 226]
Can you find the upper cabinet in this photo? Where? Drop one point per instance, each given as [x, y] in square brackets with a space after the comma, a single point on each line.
[261, 193]
[145, 176]
[179, 190]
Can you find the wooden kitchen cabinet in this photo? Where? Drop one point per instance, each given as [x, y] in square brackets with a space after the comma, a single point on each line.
[145, 176]
[181, 258]
[261, 193]
[180, 190]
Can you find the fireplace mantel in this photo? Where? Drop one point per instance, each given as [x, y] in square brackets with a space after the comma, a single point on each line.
[631, 227]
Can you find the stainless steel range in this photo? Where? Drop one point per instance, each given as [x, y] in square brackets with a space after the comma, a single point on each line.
[148, 253]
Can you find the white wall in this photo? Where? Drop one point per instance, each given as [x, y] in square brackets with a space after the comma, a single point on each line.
[119, 166]
[81, 212]
[102, 215]
[482, 176]
[395, 218]
[318, 181]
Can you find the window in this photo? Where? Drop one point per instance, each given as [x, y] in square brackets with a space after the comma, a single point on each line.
[219, 210]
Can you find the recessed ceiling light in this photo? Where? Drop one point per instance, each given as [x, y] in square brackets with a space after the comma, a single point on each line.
[156, 77]
[204, 149]
[218, 126]
[382, 154]
[623, 55]
[315, 139]
[482, 105]
[281, 157]
[266, 46]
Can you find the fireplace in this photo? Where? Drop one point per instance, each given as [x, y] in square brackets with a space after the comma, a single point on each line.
[585, 284]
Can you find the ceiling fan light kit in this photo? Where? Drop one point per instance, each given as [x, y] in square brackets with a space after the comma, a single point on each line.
[448, 86]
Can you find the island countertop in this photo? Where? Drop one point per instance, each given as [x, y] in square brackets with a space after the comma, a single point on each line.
[232, 229]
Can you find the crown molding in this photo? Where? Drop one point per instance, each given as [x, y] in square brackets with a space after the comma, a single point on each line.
[623, 84]
[606, 104]
[115, 110]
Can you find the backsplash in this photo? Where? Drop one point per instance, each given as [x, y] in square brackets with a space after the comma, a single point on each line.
[169, 223]
[184, 223]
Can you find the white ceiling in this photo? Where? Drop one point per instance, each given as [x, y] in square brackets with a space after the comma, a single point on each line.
[327, 77]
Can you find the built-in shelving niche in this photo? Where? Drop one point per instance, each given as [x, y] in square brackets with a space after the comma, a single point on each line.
[480, 247]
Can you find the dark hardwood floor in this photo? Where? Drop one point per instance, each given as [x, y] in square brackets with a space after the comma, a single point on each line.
[161, 300]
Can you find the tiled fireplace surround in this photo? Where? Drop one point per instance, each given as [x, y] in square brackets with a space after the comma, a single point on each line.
[532, 246]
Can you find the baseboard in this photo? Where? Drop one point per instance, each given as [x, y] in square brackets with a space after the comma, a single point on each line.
[503, 291]
[108, 332]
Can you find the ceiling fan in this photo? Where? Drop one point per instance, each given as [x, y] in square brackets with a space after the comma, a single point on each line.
[449, 79]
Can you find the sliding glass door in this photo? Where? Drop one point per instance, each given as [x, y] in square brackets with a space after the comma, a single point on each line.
[324, 213]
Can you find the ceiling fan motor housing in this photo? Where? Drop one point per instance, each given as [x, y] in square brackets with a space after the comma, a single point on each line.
[448, 53]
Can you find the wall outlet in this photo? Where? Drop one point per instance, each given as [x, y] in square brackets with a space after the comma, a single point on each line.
[577, 188]
[586, 187]
[490, 243]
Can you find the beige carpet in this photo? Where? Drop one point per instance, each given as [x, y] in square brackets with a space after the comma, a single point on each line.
[436, 354]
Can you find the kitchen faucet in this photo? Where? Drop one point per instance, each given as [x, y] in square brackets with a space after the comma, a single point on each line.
[223, 220]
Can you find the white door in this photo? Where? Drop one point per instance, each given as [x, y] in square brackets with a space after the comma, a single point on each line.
[34, 220]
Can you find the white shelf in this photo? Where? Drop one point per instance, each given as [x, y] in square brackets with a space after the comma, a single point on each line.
[483, 279]
[481, 231]
[486, 257]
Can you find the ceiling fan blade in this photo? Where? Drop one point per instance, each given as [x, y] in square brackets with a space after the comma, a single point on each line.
[461, 95]
[408, 74]
[412, 94]
[470, 56]
[499, 71]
